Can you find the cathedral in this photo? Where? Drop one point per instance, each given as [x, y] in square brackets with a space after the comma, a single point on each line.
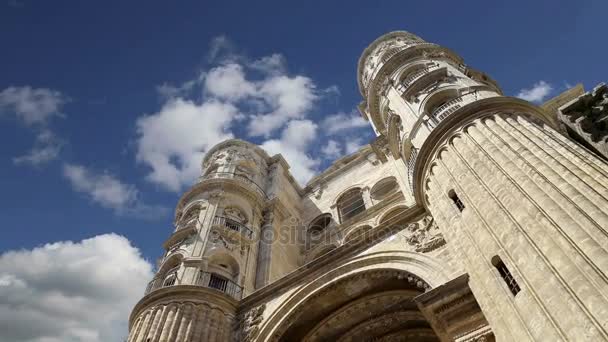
[472, 216]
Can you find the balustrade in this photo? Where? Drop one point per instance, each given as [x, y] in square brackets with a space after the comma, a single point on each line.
[204, 279]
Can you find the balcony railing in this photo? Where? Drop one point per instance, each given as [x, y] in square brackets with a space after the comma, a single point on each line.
[233, 225]
[214, 281]
[447, 108]
[169, 279]
[204, 279]
[240, 177]
[416, 75]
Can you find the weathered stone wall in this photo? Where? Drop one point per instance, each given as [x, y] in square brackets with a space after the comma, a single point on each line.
[540, 202]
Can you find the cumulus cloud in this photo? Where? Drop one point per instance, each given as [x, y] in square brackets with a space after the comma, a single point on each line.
[109, 192]
[259, 94]
[228, 82]
[537, 93]
[293, 144]
[173, 141]
[32, 105]
[71, 291]
[46, 148]
[288, 97]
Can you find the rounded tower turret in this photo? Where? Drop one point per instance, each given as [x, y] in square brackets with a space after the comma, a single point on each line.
[210, 258]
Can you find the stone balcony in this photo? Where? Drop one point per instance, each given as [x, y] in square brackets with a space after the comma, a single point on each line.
[204, 279]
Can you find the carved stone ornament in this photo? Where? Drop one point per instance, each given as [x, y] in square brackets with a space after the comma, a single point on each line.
[235, 214]
[318, 192]
[250, 323]
[424, 236]
[217, 238]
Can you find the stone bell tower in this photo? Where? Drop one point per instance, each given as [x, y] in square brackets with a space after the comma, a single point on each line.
[524, 209]
[211, 258]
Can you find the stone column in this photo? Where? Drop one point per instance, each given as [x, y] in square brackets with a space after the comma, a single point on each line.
[540, 203]
[265, 249]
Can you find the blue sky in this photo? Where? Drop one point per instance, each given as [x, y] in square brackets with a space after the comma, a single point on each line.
[105, 107]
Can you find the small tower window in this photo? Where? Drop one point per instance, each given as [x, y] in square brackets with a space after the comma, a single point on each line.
[506, 275]
[457, 202]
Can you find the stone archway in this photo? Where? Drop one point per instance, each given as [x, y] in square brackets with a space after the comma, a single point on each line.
[308, 313]
[375, 305]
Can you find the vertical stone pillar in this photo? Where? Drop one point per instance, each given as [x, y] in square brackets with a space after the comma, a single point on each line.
[265, 248]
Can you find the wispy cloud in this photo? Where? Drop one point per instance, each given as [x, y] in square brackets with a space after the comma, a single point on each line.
[35, 108]
[537, 93]
[32, 105]
[46, 148]
[106, 190]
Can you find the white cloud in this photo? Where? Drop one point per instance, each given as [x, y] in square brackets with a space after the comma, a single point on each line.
[46, 149]
[173, 141]
[228, 82]
[272, 65]
[32, 105]
[289, 98]
[71, 291]
[537, 93]
[353, 145]
[332, 149]
[218, 46]
[296, 139]
[342, 122]
[109, 192]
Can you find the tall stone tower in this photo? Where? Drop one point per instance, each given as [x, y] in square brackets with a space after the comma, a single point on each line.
[524, 208]
[471, 217]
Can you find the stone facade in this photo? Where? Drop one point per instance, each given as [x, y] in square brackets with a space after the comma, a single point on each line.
[471, 217]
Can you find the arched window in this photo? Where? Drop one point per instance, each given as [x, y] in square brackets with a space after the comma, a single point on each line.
[506, 275]
[384, 188]
[350, 204]
[223, 264]
[319, 224]
[457, 202]
[316, 228]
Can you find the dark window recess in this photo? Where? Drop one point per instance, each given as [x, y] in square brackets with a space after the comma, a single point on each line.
[457, 202]
[506, 275]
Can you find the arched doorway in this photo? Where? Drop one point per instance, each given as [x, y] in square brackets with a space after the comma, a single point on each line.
[375, 305]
